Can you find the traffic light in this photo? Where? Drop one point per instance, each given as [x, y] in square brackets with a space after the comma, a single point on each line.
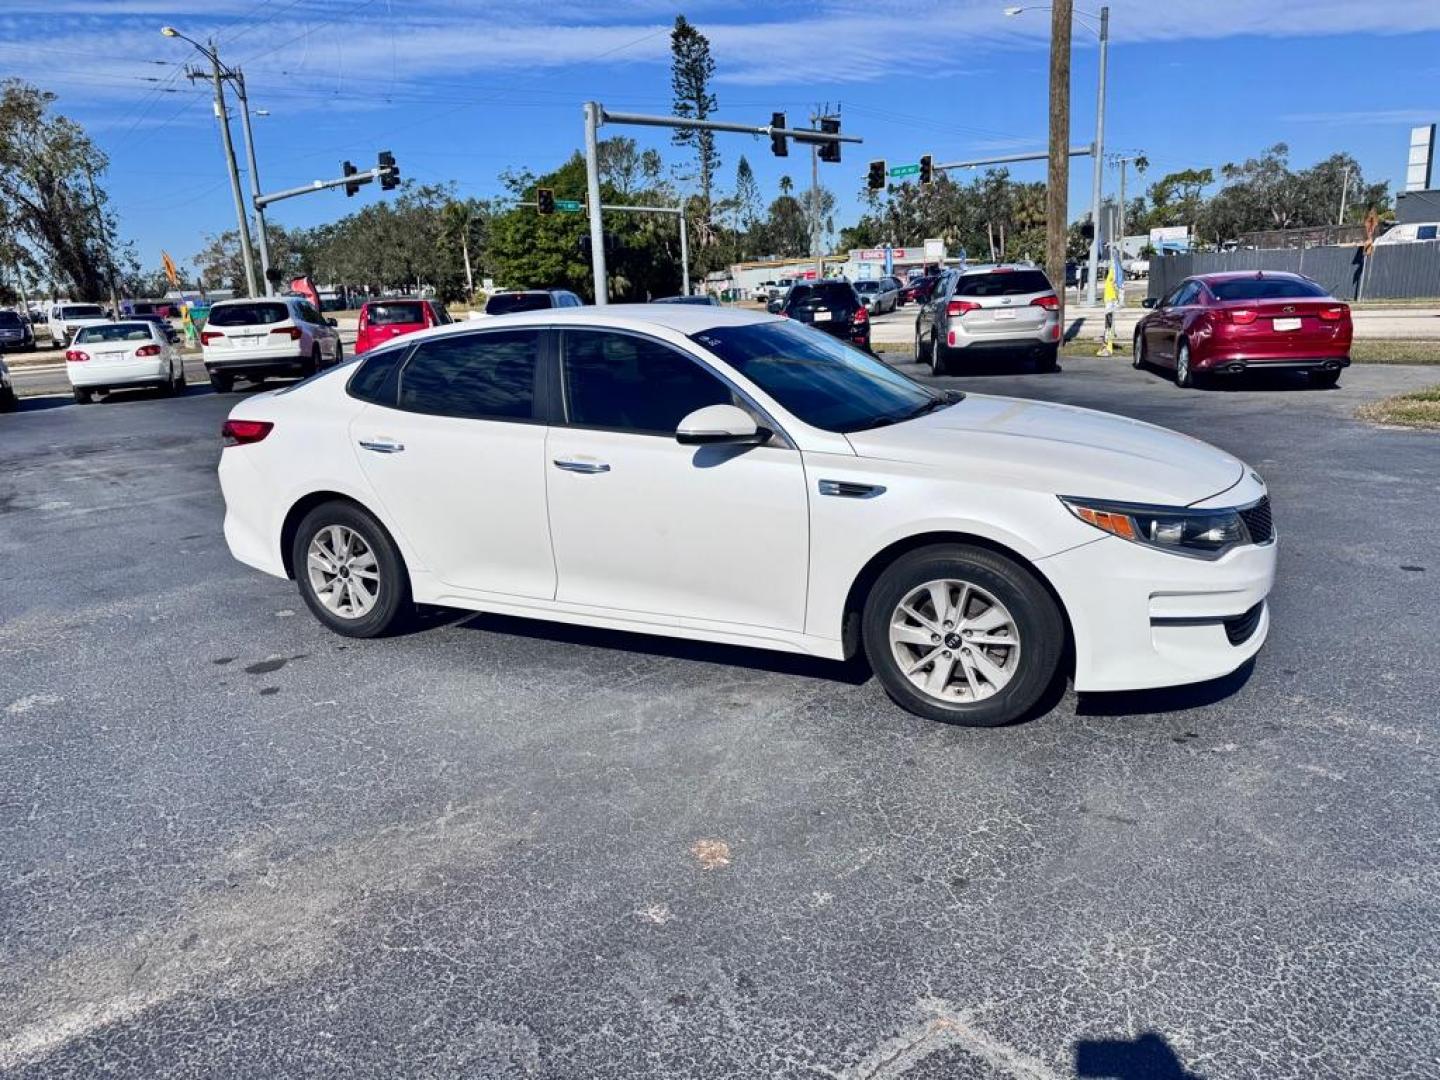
[544, 200]
[927, 170]
[390, 175]
[876, 180]
[830, 151]
[347, 169]
[778, 146]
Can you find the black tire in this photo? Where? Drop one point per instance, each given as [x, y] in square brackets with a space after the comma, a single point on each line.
[9, 402]
[1049, 359]
[82, 396]
[1038, 623]
[1184, 377]
[1138, 357]
[940, 362]
[222, 382]
[393, 601]
[312, 365]
[1325, 380]
[180, 381]
[339, 355]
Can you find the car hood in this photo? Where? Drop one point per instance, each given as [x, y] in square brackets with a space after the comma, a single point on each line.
[1060, 449]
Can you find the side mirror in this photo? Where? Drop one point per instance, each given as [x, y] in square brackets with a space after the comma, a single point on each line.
[720, 424]
[331, 323]
[774, 307]
[1150, 302]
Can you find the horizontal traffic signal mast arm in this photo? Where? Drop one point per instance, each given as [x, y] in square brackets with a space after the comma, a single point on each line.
[798, 134]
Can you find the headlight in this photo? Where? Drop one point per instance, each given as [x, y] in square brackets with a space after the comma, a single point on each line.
[1205, 534]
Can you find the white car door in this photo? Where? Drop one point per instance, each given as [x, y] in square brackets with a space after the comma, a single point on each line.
[457, 461]
[643, 524]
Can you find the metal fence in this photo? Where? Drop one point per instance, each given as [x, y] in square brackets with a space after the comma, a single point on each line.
[1392, 272]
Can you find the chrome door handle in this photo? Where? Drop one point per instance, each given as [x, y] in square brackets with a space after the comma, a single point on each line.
[587, 467]
[382, 446]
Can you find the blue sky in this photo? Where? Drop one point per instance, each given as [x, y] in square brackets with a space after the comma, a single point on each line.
[462, 89]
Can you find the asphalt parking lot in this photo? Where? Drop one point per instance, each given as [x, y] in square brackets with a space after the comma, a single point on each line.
[233, 844]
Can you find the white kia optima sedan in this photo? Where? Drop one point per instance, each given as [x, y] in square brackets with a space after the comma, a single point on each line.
[735, 477]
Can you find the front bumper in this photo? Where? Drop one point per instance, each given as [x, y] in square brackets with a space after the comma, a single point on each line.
[1144, 618]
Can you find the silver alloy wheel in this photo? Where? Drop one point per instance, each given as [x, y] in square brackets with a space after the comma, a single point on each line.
[343, 571]
[955, 641]
[1182, 365]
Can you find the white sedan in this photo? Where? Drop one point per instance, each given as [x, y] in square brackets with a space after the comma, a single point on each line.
[110, 356]
[734, 477]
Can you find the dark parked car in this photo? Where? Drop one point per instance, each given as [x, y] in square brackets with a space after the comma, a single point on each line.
[918, 290]
[503, 303]
[16, 331]
[703, 299]
[1245, 321]
[832, 306]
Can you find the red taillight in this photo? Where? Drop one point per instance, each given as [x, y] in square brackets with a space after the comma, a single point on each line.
[955, 308]
[208, 336]
[75, 355]
[861, 316]
[241, 432]
[1334, 314]
[292, 332]
[1049, 303]
[148, 350]
[1242, 316]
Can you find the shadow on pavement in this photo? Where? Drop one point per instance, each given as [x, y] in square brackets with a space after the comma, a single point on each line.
[854, 672]
[1166, 699]
[1146, 1057]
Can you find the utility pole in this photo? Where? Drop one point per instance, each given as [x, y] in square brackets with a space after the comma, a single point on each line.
[1099, 161]
[1058, 178]
[592, 188]
[238, 77]
[242, 220]
[815, 246]
[1123, 160]
[104, 239]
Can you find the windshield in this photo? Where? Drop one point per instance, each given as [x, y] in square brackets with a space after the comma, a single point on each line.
[82, 311]
[505, 303]
[114, 332]
[1265, 289]
[256, 314]
[817, 378]
[393, 314]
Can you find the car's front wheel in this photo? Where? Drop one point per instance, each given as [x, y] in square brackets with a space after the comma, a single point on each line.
[962, 635]
[350, 573]
[1184, 376]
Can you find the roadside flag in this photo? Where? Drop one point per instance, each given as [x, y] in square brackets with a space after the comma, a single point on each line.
[170, 273]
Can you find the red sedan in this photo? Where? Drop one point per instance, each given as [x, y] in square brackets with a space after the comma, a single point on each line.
[1245, 321]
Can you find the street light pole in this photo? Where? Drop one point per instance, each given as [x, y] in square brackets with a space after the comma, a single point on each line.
[1099, 161]
[264, 241]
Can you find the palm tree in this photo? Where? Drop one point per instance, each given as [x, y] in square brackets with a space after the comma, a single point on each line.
[457, 221]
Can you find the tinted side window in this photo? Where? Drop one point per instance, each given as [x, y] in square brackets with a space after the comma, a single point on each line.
[373, 381]
[634, 384]
[1187, 295]
[479, 376]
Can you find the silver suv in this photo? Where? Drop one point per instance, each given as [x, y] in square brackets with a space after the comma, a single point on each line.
[984, 310]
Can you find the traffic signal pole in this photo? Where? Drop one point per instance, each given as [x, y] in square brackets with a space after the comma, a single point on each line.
[595, 115]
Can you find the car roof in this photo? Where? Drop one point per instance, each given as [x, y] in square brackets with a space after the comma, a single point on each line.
[684, 319]
[990, 268]
[253, 300]
[1238, 275]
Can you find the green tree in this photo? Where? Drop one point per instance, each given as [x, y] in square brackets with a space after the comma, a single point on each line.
[46, 164]
[691, 68]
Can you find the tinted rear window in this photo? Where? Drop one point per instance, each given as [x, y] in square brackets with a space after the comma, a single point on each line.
[82, 311]
[1004, 283]
[391, 314]
[833, 295]
[259, 314]
[114, 332]
[505, 303]
[9, 318]
[1265, 289]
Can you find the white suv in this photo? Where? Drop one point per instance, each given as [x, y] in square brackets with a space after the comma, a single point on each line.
[66, 319]
[252, 339]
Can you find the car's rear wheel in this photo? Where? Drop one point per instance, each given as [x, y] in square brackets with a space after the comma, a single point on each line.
[82, 396]
[9, 402]
[1325, 380]
[312, 365]
[1049, 359]
[962, 635]
[1184, 377]
[350, 573]
[222, 382]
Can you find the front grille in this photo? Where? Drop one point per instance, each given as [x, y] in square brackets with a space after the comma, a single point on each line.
[1258, 521]
[1241, 627]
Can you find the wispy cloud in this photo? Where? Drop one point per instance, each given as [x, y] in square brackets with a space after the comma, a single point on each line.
[1365, 117]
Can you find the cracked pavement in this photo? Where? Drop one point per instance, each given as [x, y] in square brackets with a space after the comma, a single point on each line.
[234, 844]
